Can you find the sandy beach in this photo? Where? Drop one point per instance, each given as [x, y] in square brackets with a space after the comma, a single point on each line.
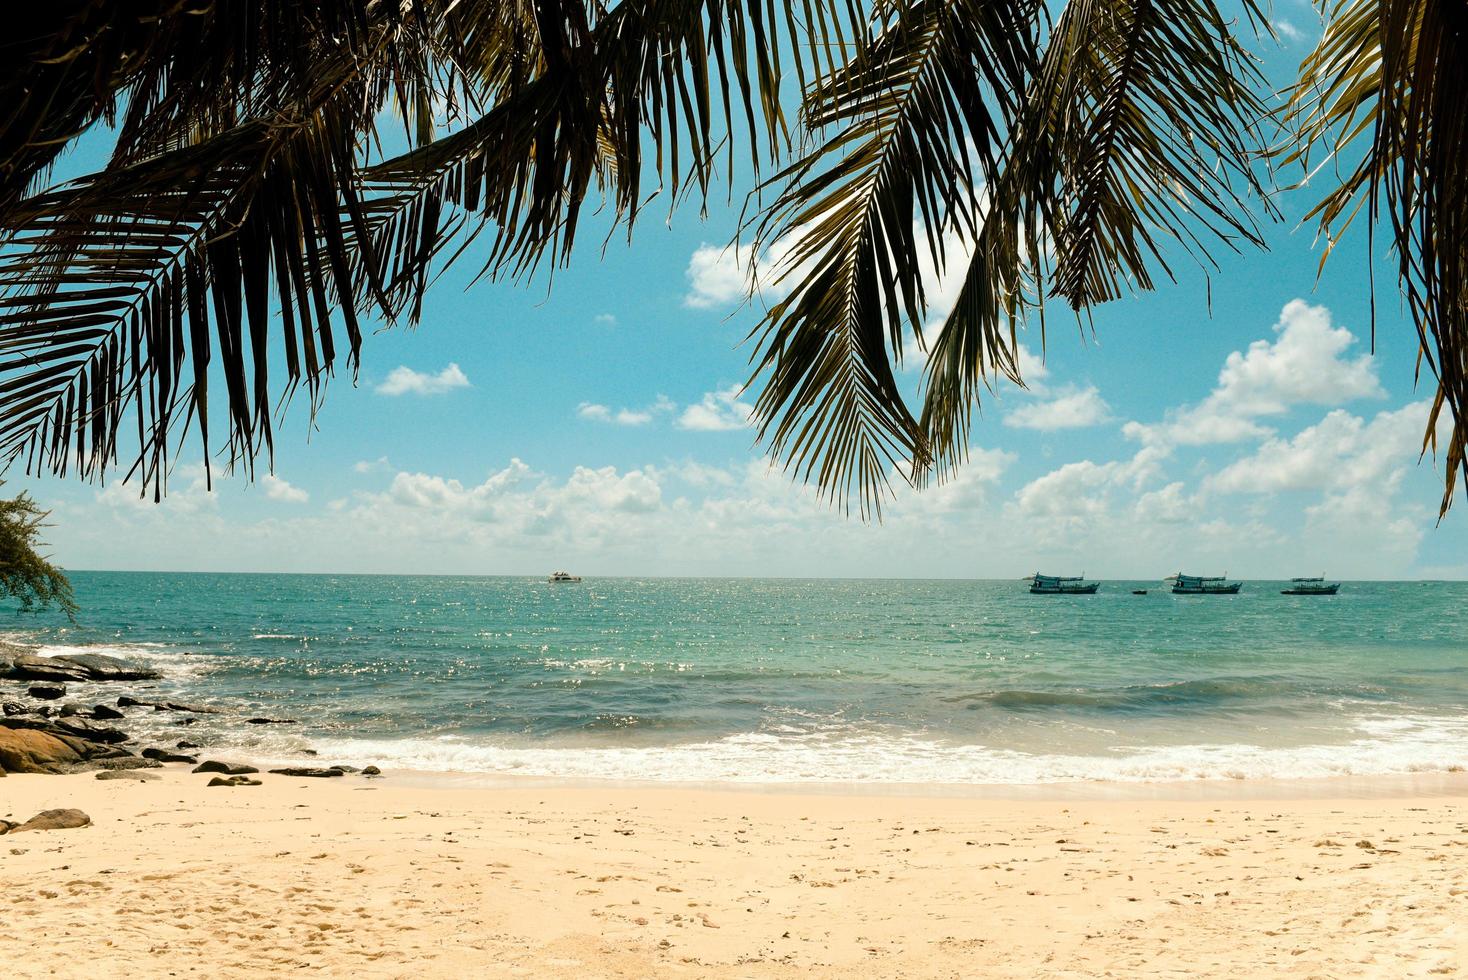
[371, 879]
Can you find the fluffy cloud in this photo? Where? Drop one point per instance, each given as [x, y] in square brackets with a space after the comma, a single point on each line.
[278, 489]
[1069, 408]
[371, 465]
[1340, 452]
[625, 416]
[1307, 364]
[717, 276]
[403, 380]
[718, 411]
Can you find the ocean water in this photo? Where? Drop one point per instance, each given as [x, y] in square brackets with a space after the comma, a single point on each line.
[774, 681]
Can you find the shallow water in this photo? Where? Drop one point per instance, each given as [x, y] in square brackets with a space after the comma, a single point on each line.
[797, 680]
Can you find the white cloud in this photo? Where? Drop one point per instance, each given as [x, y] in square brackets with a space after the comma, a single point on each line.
[1069, 408]
[606, 319]
[1340, 452]
[371, 465]
[403, 380]
[278, 489]
[1288, 31]
[717, 276]
[718, 411]
[1305, 365]
[595, 412]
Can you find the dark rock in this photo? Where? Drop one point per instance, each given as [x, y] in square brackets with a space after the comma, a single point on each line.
[104, 712]
[71, 710]
[55, 820]
[372, 771]
[270, 721]
[306, 771]
[47, 692]
[127, 701]
[234, 781]
[309, 752]
[103, 668]
[346, 768]
[13, 708]
[163, 755]
[186, 721]
[228, 768]
[187, 745]
[90, 730]
[133, 774]
[29, 667]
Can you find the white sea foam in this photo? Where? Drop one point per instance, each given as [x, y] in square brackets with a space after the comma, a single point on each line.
[1386, 746]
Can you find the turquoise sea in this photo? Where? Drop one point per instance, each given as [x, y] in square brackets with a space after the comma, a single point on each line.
[794, 680]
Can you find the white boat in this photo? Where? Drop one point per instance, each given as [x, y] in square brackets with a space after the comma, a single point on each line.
[563, 577]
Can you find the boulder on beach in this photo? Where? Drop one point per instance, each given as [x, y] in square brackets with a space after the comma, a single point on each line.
[29, 744]
[228, 768]
[346, 768]
[307, 771]
[234, 781]
[30, 750]
[164, 755]
[103, 712]
[185, 744]
[47, 692]
[135, 775]
[54, 820]
[372, 771]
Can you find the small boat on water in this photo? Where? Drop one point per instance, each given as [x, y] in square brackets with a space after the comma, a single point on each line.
[1311, 586]
[1139, 591]
[563, 577]
[1202, 585]
[1061, 585]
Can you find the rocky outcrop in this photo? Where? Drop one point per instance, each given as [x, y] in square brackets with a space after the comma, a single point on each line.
[234, 781]
[100, 667]
[135, 775]
[20, 664]
[306, 771]
[47, 692]
[163, 755]
[65, 745]
[54, 820]
[105, 712]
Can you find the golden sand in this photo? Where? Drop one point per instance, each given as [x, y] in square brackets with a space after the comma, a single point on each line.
[350, 877]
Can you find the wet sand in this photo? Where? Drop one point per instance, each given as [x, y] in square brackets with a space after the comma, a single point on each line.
[372, 878]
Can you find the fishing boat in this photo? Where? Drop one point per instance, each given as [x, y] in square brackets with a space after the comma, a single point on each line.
[1311, 586]
[1202, 585]
[563, 577]
[1061, 585]
[1139, 591]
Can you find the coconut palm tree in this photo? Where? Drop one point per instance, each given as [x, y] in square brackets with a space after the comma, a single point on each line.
[284, 170]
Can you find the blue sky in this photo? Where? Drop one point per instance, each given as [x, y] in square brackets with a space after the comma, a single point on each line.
[594, 423]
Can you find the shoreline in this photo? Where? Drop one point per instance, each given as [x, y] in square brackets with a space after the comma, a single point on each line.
[1379, 786]
[387, 878]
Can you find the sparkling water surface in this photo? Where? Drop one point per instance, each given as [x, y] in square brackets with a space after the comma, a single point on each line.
[791, 680]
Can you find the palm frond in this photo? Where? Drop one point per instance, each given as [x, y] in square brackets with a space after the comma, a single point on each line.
[1139, 132]
[1382, 98]
[908, 133]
